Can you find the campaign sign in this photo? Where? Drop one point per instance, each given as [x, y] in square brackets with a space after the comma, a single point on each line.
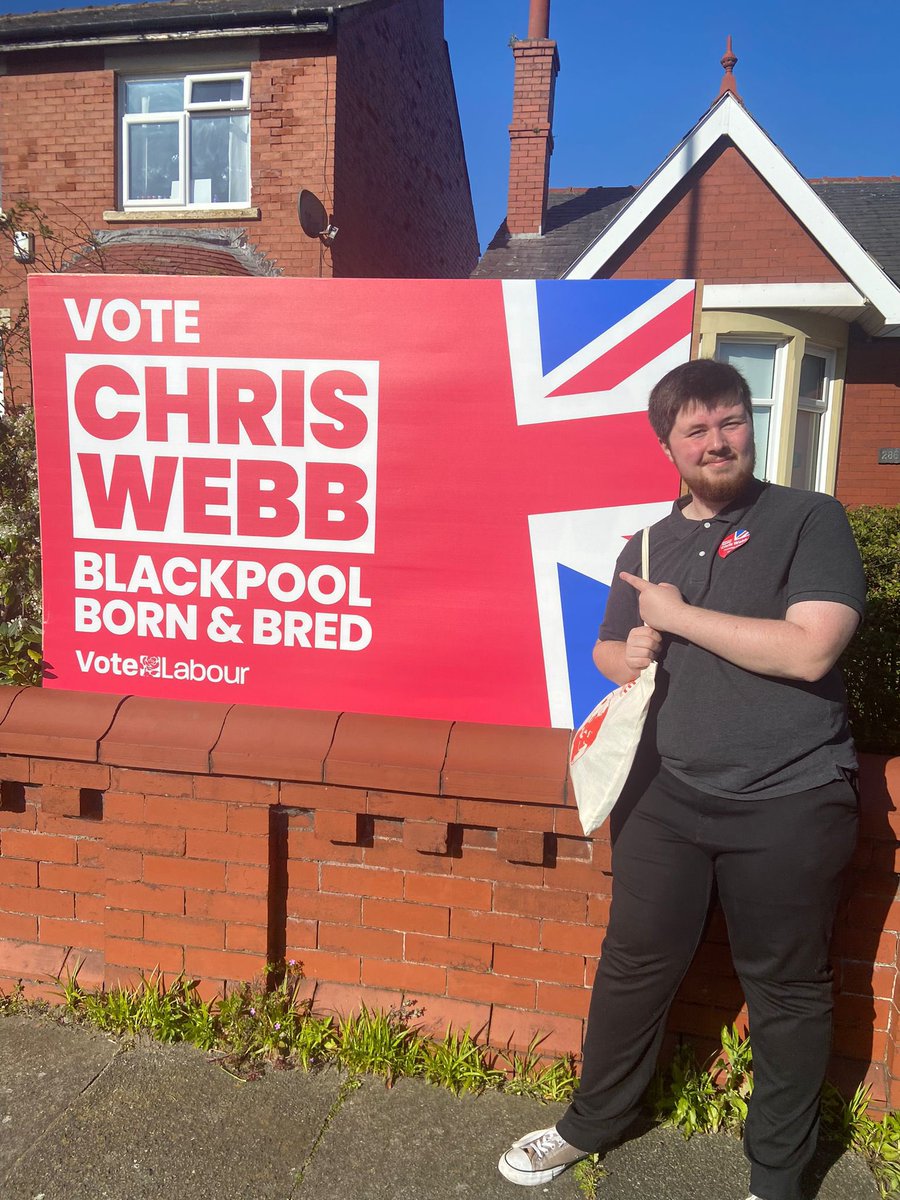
[388, 496]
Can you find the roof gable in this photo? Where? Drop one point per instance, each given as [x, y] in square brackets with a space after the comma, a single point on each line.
[723, 224]
[729, 119]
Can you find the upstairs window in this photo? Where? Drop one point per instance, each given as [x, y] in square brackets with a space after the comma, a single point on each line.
[186, 141]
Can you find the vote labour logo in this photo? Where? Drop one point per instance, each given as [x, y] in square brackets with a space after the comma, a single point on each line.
[151, 664]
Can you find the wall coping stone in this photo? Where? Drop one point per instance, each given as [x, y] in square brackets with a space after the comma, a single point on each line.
[402, 754]
[507, 762]
[274, 743]
[165, 735]
[48, 723]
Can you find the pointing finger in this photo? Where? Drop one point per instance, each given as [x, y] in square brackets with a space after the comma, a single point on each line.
[635, 580]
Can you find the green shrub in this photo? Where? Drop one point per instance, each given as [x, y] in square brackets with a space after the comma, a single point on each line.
[871, 663]
[20, 552]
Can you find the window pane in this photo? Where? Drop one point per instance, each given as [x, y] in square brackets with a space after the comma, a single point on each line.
[154, 95]
[806, 450]
[153, 161]
[812, 379]
[219, 159]
[762, 420]
[214, 91]
[755, 362]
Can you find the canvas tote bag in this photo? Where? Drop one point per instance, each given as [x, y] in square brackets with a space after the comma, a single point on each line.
[604, 745]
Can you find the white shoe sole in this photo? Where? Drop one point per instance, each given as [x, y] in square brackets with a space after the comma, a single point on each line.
[529, 1178]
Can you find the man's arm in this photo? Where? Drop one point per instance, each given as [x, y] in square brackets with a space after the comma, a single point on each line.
[805, 645]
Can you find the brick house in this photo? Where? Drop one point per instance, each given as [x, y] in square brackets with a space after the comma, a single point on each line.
[801, 278]
[175, 137]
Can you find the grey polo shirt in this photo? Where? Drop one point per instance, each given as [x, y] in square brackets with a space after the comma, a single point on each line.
[721, 728]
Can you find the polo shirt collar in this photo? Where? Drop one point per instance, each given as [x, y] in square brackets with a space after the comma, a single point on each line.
[731, 515]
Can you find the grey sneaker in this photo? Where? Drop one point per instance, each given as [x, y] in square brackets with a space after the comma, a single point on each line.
[538, 1157]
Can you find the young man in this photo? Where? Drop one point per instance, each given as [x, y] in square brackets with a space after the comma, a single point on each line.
[754, 592]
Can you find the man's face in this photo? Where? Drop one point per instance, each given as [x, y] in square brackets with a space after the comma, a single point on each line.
[713, 450]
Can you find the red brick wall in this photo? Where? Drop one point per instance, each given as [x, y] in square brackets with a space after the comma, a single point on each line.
[401, 188]
[451, 869]
[871, 419]
[724, 224]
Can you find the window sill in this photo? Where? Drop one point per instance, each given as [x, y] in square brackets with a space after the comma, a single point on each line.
[181, 214]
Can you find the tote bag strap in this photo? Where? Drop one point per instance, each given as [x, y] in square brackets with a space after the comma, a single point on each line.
[645, 553]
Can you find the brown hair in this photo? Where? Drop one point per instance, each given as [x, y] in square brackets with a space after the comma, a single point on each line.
[705, 382]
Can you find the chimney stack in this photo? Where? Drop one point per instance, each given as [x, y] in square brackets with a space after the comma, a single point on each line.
[531, 131]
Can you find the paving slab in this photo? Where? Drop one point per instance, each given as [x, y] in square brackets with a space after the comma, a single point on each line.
[44, 1068]
[164, 1121]
[661, 1164]
[415, 1141]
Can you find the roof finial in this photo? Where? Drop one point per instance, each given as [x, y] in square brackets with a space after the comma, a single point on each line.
[728, 60]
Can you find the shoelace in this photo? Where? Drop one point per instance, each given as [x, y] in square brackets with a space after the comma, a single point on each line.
[545, 1144]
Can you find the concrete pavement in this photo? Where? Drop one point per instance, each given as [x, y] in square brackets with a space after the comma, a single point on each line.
[83, 1117]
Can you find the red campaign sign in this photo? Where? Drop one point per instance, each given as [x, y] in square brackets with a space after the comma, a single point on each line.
[388, 496]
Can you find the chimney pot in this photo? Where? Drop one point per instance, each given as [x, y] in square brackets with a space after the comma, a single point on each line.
[539, 20]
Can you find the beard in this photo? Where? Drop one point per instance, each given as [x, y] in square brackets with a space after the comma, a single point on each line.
[722, 486]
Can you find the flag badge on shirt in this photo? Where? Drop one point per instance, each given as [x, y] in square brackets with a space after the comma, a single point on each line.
[734, 541]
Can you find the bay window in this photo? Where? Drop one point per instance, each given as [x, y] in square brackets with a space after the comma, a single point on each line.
[794, 367]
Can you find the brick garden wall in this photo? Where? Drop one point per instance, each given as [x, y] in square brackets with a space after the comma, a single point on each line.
[439, 861]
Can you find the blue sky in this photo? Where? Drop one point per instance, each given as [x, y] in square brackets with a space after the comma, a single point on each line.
[818, 76]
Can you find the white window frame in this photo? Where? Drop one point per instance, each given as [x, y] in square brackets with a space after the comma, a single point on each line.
[826, 411]
[768, 469]
[181, 119]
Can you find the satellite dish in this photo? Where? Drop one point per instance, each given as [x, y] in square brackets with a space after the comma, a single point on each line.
[312, 214]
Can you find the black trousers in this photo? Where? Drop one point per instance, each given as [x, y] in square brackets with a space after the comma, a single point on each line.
[777, 865]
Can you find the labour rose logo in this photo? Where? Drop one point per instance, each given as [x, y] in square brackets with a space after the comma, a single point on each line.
[587, 734]
[151, 664]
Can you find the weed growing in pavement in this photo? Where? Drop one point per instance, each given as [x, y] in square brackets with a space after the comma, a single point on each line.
[459, 1064]
[848, 1123]
[588, 1172]
[530, 1075]
[706, 1099]
[269, 1021]
[378, 1043]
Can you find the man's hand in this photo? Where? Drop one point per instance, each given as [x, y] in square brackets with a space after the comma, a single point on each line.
[642, 647]
[660, 603]
[623, 661]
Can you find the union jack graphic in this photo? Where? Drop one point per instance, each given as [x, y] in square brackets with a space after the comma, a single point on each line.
[580, 350]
